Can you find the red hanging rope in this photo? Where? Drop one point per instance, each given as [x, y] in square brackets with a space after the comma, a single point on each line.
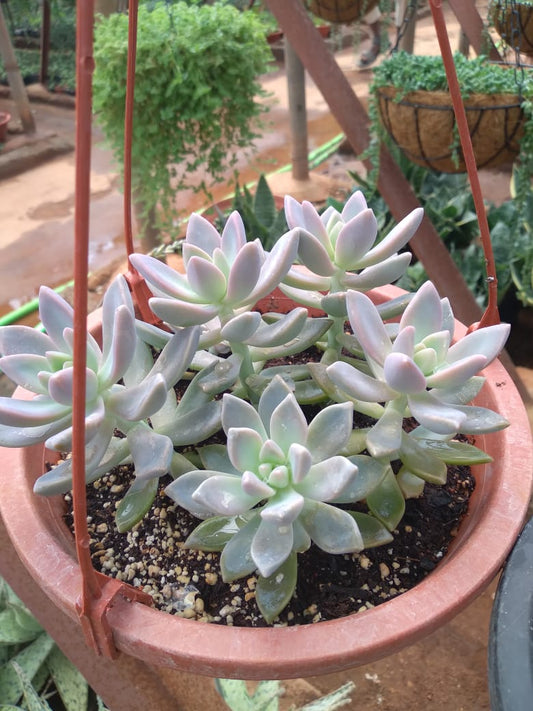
[491, 315]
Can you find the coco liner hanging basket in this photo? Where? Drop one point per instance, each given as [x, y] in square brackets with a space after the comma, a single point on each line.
[422, 125]
[341, 11]
[514, 23]
[496, 510]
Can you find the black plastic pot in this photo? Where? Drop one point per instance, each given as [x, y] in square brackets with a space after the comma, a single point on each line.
[511, 631]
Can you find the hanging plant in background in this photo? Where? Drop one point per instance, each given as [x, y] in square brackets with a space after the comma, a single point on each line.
[196, 96]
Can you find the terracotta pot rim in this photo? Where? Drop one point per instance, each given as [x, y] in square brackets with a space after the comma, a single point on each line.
[483, 543]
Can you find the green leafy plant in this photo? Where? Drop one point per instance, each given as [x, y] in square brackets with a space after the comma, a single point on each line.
[266, 695]
[196, 97]
[33, 670]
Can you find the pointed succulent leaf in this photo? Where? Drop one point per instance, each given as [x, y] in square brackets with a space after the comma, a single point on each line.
[162, 278]
[135, 504]
[480, 420]
[411, 485]
[236, 560]
[233, 238]
[244, 447]
[214, 533]
[424, 312]
[304, 280]
[421, 461]
[368, 326]
[384, 438]
[207, 280]
[314, 255]
[176, 356]
[200, 232]
[253, 486]
[61, 441]
[215, 456]
[385, 272]
[280, 332]
[276, 265]
[189, 251]
[372, 531]
[26, 436]
[288, 424]
[180, 313]
[370, 473]
[194, 425]
[454, 452]
[355, 239]
[273, 593]
[465, 393]
[330, 430]
[140, 401]
[355, 204]
[241, 328]
[15, 340]
[305, 215]
[439, 342]
[181, 491]
[328, 479]
[30, 413]
[487, 341]
[396, 239]
[271, 546]
[244, 272]
[357, 384]
[239, 413]
[223, 494]
[24, 371]
[403, 375]
[454, 375]
[332, 529]
[311, 333]
[150, 451]
[119, 346]
[405, 342]
[300, 462]
[273, 395]
[55, 314]
[386, 502]
[436, 415]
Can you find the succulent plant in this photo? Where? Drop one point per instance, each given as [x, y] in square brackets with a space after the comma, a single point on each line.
[289, 460]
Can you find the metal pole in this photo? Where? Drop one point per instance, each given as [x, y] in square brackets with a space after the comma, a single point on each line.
[18, 90]
[297, 112]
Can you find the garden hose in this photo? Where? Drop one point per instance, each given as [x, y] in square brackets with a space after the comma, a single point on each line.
[316, 156]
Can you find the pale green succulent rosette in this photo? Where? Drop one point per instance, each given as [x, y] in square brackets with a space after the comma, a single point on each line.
[124, 387]
[272, 491]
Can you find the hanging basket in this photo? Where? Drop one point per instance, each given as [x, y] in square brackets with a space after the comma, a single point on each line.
[341, 11]
[422, 124]
[484, 539]
[514, 23]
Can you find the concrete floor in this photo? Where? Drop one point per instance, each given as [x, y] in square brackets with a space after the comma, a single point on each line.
[445, 672]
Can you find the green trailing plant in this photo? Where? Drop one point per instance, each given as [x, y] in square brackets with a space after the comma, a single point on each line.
[196, 97]
[266, 694]
[34, 673]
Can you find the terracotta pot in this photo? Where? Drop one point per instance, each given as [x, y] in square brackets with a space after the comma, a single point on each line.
[422, 125]
[486, 536]
[5, 118]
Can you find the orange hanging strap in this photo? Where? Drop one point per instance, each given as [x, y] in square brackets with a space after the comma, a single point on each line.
[97, 590]
[491, 315]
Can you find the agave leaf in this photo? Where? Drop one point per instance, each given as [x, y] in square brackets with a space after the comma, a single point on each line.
[17, 626]
[29, 660]
[331, 528]
[372, 531]
[236, 560]
[135, 504]
[273, 592]
[386, 502]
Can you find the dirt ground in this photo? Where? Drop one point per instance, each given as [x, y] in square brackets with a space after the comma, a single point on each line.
[447, 671]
